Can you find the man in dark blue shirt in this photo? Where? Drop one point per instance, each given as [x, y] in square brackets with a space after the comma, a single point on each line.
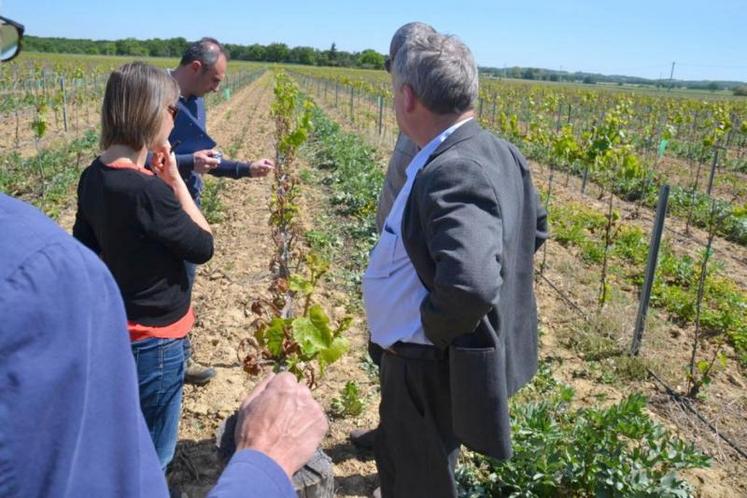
[70, 420]
[201, 71]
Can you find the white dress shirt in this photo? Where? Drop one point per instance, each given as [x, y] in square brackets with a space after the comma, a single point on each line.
[392, 290]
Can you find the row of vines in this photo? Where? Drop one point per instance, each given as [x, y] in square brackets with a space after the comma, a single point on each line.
[560, 449]
[43, 98]
[627, 143]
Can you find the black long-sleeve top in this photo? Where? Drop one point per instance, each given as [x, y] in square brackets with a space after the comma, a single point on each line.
[133, 220]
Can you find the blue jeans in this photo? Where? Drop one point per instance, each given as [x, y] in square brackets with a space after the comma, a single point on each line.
[160, 375]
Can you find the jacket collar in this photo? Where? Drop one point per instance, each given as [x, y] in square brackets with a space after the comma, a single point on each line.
[464, 132]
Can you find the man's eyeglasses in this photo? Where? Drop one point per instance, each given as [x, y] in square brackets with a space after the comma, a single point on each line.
[173, 110]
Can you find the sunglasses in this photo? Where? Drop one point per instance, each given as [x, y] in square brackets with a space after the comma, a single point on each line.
[173, 110]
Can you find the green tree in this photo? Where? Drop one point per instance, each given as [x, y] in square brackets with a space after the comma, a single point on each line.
[371, 59]
[256, 52]
[108, 48]
[530, 73]
[277, 52]
[303, 55]
[130, 46]
[332, 54]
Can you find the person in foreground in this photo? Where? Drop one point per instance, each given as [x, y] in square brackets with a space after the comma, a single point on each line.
[448, 290]
[70, 419]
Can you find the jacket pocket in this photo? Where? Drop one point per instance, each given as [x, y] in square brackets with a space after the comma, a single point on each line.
[479, 401]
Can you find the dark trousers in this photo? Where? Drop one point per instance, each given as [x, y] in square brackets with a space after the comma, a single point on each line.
[416, 450]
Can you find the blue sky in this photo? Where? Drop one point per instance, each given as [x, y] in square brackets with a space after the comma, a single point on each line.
[707, 40]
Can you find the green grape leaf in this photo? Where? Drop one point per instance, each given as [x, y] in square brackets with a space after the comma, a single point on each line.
[331, 354]
[308, 336]
[299, 284]
[274, 336]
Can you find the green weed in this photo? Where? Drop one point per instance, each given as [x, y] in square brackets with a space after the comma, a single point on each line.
[349, 404]
[560, 450]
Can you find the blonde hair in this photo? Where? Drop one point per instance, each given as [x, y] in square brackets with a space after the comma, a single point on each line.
[134, 102]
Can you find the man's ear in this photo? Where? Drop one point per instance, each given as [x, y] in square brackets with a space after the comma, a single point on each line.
[410, 100]
[196, 66]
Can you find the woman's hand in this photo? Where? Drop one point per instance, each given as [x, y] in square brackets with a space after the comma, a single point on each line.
[164, 164]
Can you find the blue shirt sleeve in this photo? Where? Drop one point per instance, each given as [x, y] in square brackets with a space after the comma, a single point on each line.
[231, 169]
[70, 419]
[252, 474]
[185, 163]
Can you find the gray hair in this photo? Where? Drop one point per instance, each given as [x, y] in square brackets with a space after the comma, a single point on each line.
[406, 32]
[441, 71]
[206, 50]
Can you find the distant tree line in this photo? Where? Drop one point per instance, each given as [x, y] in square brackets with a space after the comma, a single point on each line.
[538, 74]
[174, 47]
[280, 52]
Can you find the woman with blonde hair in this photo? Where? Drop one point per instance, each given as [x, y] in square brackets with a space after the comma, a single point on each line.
[144, 225]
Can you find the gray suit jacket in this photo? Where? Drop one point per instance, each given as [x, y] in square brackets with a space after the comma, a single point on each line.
[471, 226]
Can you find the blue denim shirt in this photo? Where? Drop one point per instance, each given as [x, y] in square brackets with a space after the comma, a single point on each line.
[70, 419]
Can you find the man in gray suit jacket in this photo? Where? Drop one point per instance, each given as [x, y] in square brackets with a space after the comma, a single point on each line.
[449, 286]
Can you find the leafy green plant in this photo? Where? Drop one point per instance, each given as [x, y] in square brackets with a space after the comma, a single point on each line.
[610, 155]
[40, 124]
[349, 403]
[212, 206]
[559, 450]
